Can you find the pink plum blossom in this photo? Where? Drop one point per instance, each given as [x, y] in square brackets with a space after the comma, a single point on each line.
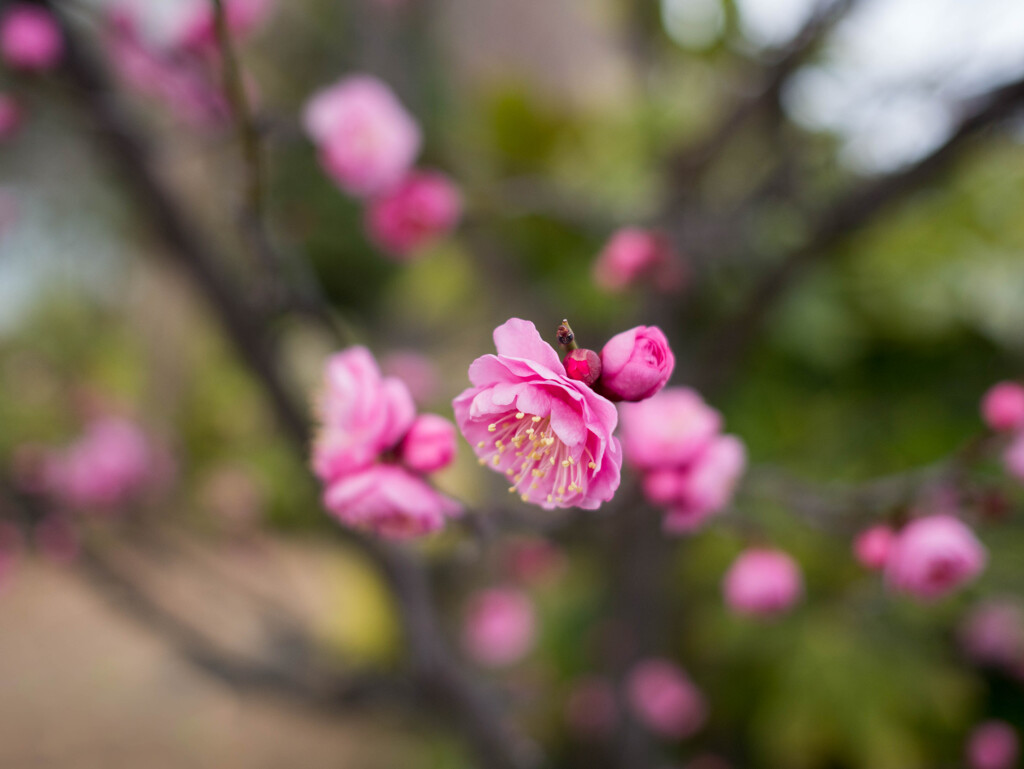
[635, 364]
[591, 709]
[368, 425]
[707, 485]
[664, 699]
[993, 633]
[30, 38]
[933, 556]
[109, 465]
[499, 627]
[11, 117]
[417, 371]
[993, 745]
[635, 254]
[423, 207]
[550, 435]
[1013, 457]
[763, 582]
[871, 547]
[429, 445]
[367, 141]
[1003, 406]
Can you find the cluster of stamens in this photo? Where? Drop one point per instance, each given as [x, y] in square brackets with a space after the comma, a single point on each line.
[535, 457]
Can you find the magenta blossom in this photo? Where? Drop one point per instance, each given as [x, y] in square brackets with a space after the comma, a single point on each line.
[367, 140]
[1002, 408]
[499, 627]
[551, 435]
[11, 117]
[30, 38]
[993, 745]
[635, 364]
[664, 699]
[422, 208]
[368, 427]
[871, 547]
[633, 255]
[933, 556]
[763, 583]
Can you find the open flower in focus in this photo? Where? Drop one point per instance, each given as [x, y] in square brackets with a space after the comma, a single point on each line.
[366, 139]
[687, 465]
[423, 207]
[30, 38]
[763, 583]
[549, 434]
[372, 451]
[933, 556]
[499, 627]
[664, 699]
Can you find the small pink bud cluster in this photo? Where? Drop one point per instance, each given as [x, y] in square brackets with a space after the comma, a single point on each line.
[499, 626]
[372, 451]
[634, 255]
[367, 144]
[763, 583]
[176, 59]
[993, 745]
[928, 558]
[30, 38]
[1002, 408]
[664, 699]
[688, 465]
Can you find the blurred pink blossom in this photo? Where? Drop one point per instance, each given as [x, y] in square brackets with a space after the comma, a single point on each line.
[533, 560]
[499, 627]
[763, 582]
[993, 745]
[993, 633]
[934, 555]
[423, 207]
[635, 364]
[30, 38]
[367, 141]
[11, 117]
[1002, 408]
[429, 445]
[664, 699]
[197, 25]
[590, 709]
[417, 371]
[872, 546]
[522, 402]
[635, 254]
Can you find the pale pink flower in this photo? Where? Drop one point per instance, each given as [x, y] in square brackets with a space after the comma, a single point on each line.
[634, 254]
[706, 486]
[57, 539]
[993, 633]
[763, 582]
[993, 745]
[1003, 406]
[423, 207]
[30, 38]
[499, 627]
[388, 500]
[11, 116]
[1013, 457]
[635, 364]
[11, 546]
[550, 435]
[668, 430]
[417, 371]
[429, 445]
[591, 709]
[109, 465]
[664, 699]
[361, 414]
[934, 555]
[871, 547]
[367, 141]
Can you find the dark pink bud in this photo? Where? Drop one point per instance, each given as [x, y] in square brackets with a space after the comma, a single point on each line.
[636, 364]
[583, 366]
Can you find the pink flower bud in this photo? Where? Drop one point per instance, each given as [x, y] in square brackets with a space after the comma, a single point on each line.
[634, 254]
[763, 582]
[422, 208]
[1013, 457]
[664, 699]
[933, 556]
[499, 627]
[367, 140]
[10, 117]
[1002, 408]
[993, 745]
[591, 710]
[583, 366]
[636, 364]
[30, 38]
[429, 445]
[872, 546]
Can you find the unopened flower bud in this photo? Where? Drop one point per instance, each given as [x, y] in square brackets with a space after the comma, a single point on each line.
[565, 336]
[583, 366]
